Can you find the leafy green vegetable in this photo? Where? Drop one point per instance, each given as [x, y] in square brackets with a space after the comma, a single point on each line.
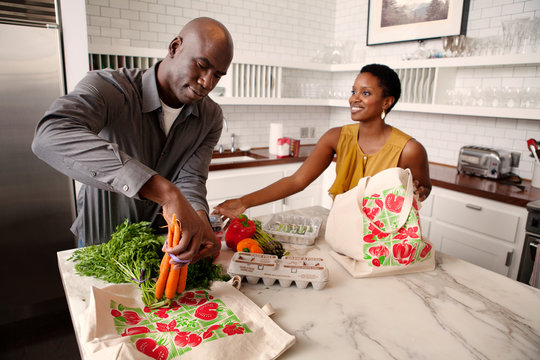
[132, 255]
[201, 274]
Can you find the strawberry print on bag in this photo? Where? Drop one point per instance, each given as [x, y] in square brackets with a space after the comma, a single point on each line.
[192, 319]
[383, 248]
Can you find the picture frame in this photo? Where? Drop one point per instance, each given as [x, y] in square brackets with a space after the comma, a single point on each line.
[391, 21]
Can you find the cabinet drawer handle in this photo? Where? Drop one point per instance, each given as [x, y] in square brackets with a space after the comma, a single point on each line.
[508, 261]
[474, 207]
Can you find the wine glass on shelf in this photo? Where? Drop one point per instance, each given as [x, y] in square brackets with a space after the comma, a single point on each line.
[457, 45]
[447, 45]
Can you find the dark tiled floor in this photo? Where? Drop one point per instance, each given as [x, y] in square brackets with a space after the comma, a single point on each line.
[49, 336]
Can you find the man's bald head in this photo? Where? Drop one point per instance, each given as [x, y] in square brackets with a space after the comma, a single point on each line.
[209, 28]
[197, 58]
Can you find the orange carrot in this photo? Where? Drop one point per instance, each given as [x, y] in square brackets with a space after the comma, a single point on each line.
[164, 267]
[174, 274]
[182, 279]
[162, 281]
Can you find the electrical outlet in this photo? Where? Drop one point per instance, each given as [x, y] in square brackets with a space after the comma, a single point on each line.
[312, 132]
[304, 133]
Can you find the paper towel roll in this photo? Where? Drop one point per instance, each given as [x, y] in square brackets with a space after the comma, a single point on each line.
[276, 132]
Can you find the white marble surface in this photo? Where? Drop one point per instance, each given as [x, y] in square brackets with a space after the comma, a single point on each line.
[457, 311]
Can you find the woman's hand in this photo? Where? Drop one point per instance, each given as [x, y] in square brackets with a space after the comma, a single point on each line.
[420, 191]
[230, 208]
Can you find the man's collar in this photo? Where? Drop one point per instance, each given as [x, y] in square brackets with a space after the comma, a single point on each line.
[150, 93]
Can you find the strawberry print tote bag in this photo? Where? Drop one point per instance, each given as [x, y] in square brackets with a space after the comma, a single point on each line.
[374, 228]
[220, 323]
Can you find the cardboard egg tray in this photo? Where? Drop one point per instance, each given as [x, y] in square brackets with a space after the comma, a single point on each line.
[298, 269]
[293, 229]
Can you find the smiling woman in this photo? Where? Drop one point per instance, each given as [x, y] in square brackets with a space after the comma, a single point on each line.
[362, 149]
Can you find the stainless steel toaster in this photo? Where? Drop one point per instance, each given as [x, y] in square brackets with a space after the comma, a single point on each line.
[484, 161]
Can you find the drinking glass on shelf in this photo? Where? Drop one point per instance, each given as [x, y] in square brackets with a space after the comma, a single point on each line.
[530, 98]
[511, 96]
[478, 96]
[447, 45]
[494, 96]
[457, 45]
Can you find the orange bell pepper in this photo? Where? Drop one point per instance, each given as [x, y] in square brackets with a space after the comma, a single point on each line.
[249, 245]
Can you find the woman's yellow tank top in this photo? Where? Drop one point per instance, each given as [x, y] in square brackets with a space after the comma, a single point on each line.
[352, 164]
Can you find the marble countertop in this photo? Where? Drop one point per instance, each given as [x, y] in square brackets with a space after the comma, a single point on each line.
[457, 311]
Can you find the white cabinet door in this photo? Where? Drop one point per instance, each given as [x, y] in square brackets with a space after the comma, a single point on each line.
[228, 184]
[310, 196]
[484, 232]
[472, 247]
[474, 213]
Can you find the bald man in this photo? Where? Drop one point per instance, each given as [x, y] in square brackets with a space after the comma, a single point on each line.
[141, 141]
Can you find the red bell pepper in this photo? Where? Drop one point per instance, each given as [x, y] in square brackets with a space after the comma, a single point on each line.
[240, 228]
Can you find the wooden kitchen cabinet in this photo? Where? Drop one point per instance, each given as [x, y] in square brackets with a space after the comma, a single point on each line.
[484, 232]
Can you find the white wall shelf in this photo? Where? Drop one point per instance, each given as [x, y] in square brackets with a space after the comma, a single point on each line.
[227, 100]
[514, 113]
[424, 82]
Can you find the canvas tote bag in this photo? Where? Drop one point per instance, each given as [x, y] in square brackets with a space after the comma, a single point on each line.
[374, 228]
[220, 323]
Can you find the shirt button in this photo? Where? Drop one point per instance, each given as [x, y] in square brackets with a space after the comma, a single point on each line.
[93, 173]
[125, 188]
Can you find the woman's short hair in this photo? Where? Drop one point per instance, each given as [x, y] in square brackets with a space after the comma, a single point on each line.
[388, 80]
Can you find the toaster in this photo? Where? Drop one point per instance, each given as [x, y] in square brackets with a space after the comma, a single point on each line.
[484, 161]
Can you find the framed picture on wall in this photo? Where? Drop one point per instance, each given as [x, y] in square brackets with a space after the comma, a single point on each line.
[406, 20]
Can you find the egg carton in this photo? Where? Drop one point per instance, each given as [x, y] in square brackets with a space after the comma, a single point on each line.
[293, 229]
[269, 268]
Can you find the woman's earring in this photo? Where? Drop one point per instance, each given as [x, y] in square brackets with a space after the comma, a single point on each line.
[383, 115]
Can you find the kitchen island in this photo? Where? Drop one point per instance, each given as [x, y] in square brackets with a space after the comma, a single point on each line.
[457, 311]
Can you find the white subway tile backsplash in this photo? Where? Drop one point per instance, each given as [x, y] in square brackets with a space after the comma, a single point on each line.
[93, 10]
[100, 21]
[121, 43]
[157, 8]
[121, 4]
[481, 4]
[532, 5]
[98, 2]
[99, 40]
[120, 23]
[129, 14]
[110, 32]
[93, 31]
[506, 123]
[491, 12]
[502, 2]
[141, 6]
[513, 9]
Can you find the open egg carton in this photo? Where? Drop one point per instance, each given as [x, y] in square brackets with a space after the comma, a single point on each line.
[302, 270]
[293, 229]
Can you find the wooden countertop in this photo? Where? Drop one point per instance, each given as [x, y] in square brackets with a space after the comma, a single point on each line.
[444, 176]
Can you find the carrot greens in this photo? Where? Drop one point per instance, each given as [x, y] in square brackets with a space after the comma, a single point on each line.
[133, 254]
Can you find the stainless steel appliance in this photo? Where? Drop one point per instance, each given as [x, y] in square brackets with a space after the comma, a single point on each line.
[36, 206]
[532, 241]
[484, 161]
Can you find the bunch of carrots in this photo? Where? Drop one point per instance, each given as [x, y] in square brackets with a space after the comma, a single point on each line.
[171, 280]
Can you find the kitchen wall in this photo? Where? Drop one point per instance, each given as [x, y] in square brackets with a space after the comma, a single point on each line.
[299, 30]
